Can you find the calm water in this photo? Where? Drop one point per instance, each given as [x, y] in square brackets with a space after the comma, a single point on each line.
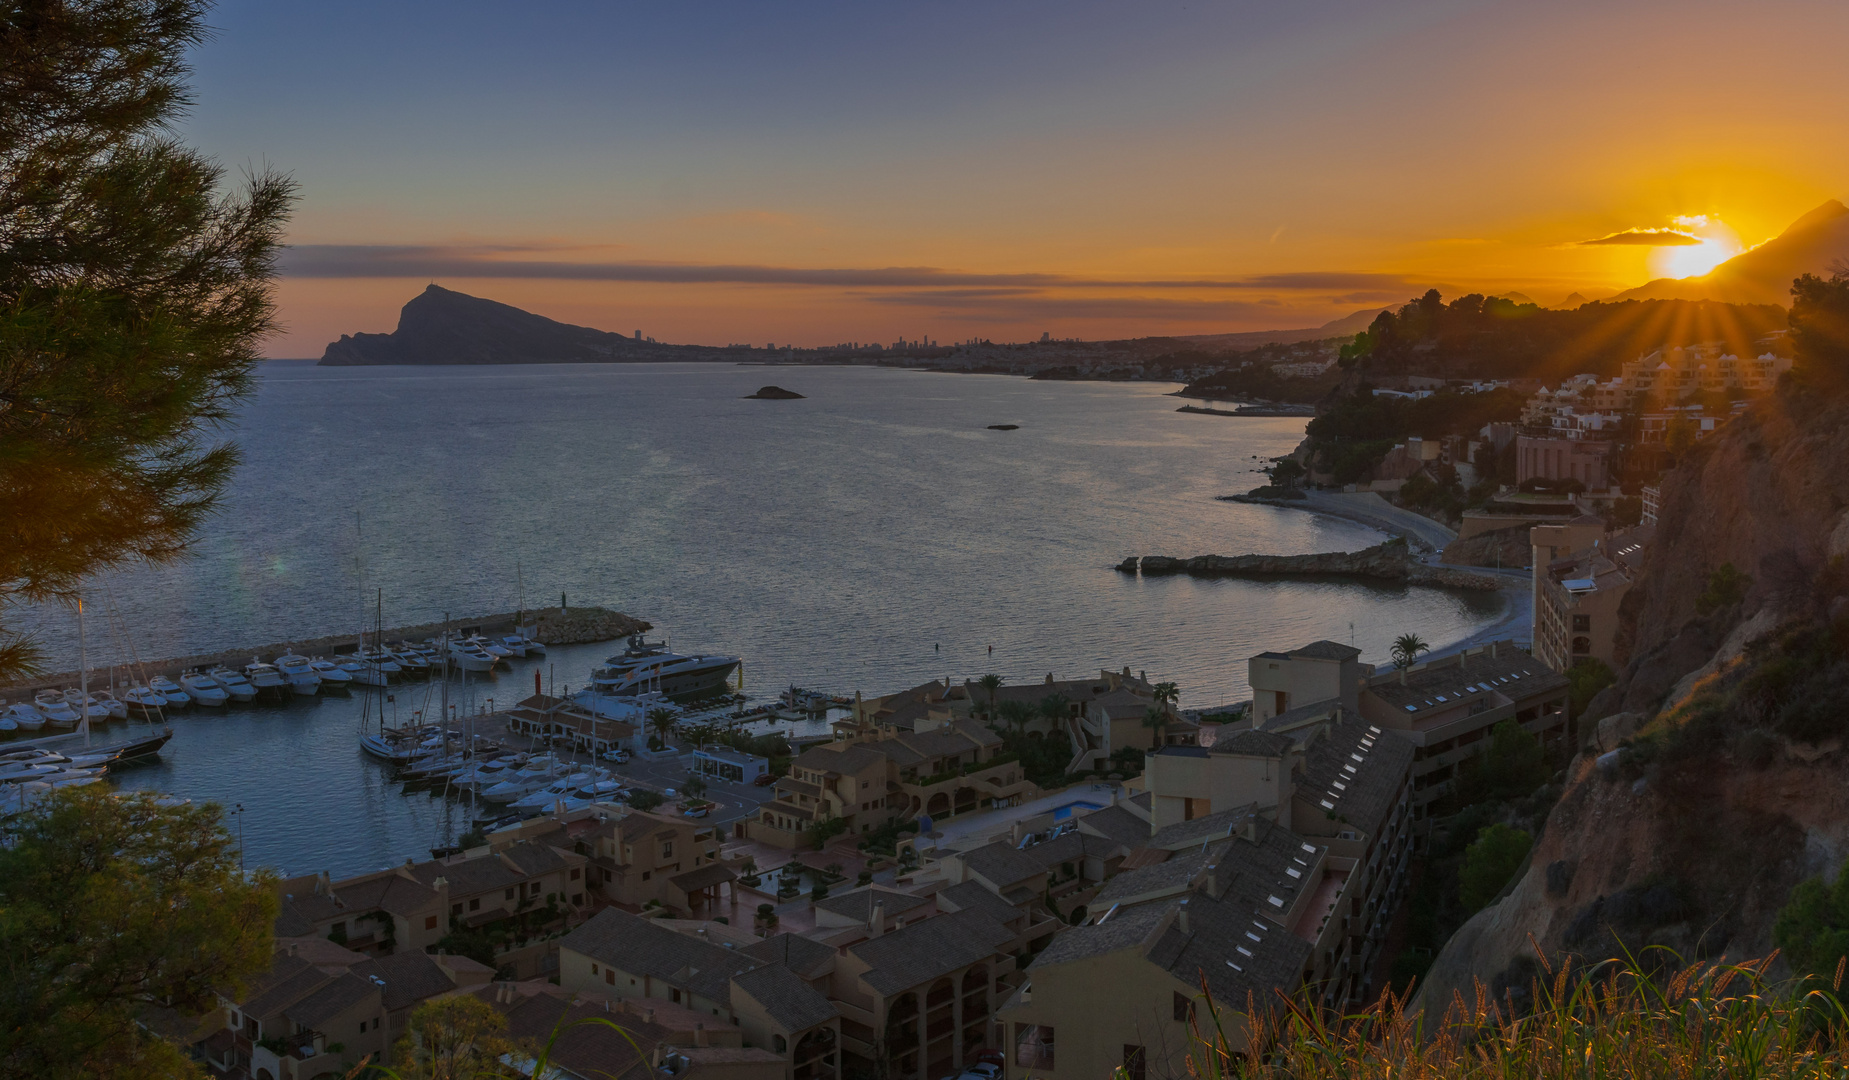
[867, 538]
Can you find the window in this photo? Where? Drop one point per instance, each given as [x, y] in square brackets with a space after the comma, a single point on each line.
[1133, 1062]
[455, 909]
[475, 904]
[510, 894]
[430, 922]
[1184, 1008]
[1581, 646]
[577, 899]
[667, 849]
[675, 996]
[645, 875]
[609, 976]
[1582, 623]
[574, 873]
[780, 1044]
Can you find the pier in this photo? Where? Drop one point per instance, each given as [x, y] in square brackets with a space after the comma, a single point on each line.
[549, 626]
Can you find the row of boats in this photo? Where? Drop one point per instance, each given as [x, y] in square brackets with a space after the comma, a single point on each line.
[287, 675]
[431, 757]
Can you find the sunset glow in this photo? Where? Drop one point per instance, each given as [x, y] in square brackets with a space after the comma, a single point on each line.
[755, 174]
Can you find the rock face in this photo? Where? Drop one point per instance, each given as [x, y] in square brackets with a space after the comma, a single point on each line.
[583, 624]
[1383, 562]
[443, 327]
[1502, 547]
[775, 393]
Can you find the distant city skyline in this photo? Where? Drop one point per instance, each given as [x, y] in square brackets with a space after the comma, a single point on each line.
[815, 174]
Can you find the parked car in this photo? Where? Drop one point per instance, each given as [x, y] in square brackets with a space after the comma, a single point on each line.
[992, 1056]
[764, 780]
[617, 756]
[695, 811]
[986, 1070]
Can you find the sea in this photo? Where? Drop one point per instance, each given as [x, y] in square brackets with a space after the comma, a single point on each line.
[871, 536]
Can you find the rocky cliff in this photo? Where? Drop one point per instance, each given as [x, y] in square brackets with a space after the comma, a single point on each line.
[1390, 561]
[1713, 776]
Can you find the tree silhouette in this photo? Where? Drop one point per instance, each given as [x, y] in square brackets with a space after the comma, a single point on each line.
[1406, 650]
[990, 682]
[1155, 718]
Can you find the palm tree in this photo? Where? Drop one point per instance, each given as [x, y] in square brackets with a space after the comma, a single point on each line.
[1167, 693]
[662, 721]
[1155, 718]
[990, 682]
[1053, 707]
[1406, 650]
[1015, 714]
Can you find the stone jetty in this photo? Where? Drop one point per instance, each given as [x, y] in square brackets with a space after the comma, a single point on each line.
[1390, 561]
[552, 626]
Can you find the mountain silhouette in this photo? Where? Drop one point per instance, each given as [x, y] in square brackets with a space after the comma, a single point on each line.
[440, 326]
[1763, 275]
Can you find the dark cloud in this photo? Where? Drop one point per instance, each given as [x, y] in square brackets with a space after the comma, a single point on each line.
[1644, 238]
[433, 262]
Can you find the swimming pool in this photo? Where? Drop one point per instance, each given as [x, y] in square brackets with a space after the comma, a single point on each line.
[1065, 811]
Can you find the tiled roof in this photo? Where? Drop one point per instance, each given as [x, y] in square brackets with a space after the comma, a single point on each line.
[1124, 929]
[808, 959]
[1357, 770]
[1209, 827]
[858, 903]
[1253, 743]
[972, 896]
[702, 877]
[410, 976]
[1327, 650]
[846, 760]
[1171, 875]
[586, 1049]
[1302, 714]
[901, 959]
[1001, 865]
[792, 1003]
[287, 981]
[339, 994]
[1115, 823]
[636, 945]
[1511, 674]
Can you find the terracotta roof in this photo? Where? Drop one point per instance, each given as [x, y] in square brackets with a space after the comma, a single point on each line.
[337, 995]
[858, 903]
[1358, 770]
[808, 959]
[972, 896]
[702, 877]
[410, 976]
[1327, 650]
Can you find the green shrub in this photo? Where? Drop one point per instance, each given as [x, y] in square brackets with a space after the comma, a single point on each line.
[1489, 863]
[1726, 587]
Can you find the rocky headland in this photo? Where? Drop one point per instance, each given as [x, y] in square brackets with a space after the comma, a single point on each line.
[1391, 561]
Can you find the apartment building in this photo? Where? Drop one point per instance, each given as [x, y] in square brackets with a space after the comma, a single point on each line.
[591, 1037]
[1322, 671]
[1578, 592]
[879, 774]
[321, 1009]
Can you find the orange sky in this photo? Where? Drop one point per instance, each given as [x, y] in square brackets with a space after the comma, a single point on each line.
[751, 174]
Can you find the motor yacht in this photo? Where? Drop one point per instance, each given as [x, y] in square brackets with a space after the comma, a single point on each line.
[333, 676]
[545, 796]
[145, 700]
[381, 659]
[300, 675]
[485, 774]
[411, 662]
[57, 712]
[359, 672]
[234, 683]
[113, 705]
[265, 678]
[647, 666]
[87, 707]
[470, 657]
[177, 698]
[27, 717]
[524, 643]
[20, 771]
[535, 774]
[204, 689]
[600, 791]
[492, 648]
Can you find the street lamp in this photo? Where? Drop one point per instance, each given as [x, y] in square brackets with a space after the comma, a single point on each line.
[237, 811]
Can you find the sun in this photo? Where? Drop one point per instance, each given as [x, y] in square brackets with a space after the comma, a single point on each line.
[1717, 242]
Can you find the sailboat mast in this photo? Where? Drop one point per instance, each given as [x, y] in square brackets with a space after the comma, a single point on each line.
[83, 674]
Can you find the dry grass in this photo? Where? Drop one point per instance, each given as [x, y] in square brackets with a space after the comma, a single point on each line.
[1611, 1021]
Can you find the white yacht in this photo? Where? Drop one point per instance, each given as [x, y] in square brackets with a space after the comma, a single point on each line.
[359, 672]
[87, 706]
[167, 688]
[647, 666]
[411, 661]
[333, 676]
[57, 712]
[234, 683]
[485, 774]
[524, 644]
[470, 657]
[204, 689]
[492, 648]
[265, 679]
[27, 717]
[600, 791]
[112, 704]
[563, 787]
[381, 659]
[300, 676]
[145, 700]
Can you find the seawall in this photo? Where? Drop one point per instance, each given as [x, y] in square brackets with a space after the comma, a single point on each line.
[1383, 562]
[551, 626]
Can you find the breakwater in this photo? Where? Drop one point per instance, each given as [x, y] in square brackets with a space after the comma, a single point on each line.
[1390, 561]
[549, 626]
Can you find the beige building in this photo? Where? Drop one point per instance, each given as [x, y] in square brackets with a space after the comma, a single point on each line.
[1578, 593]
[1231, 897]
[1564, 457]
[880, 774]
[656, 1038]
[1321, 671]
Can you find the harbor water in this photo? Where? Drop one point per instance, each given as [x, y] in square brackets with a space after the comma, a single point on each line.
[871, 536]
